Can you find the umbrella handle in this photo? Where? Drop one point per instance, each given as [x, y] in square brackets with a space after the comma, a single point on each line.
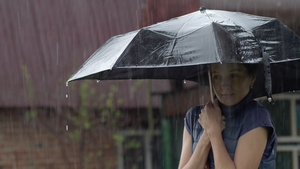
[210, 86]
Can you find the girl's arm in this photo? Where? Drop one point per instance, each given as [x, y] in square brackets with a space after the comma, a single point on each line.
[198, 159]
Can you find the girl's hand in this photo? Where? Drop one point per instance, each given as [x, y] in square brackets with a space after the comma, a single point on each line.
[211, 118]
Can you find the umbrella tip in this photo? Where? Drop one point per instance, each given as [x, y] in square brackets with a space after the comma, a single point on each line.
[202, 9]
[270, 99]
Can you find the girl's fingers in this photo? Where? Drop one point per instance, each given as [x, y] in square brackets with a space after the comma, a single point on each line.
[223, 123]
[209, 104]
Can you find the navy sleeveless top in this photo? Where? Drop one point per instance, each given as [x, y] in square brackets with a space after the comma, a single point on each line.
[241, 118]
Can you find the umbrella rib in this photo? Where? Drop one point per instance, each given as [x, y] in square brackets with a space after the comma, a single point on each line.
[176, 35]
[184, 25]
[215, 44]
[235, 23]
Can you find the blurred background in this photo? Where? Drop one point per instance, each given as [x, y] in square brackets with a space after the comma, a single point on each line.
[130, 124]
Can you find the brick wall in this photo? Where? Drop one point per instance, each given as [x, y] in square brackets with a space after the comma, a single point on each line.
[42, 142]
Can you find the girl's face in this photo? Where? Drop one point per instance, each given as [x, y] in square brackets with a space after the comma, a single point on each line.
[231, 82]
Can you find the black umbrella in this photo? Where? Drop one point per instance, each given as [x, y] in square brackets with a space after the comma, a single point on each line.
[182, 47]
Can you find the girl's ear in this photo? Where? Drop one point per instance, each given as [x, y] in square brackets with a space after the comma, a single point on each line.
[253, 78]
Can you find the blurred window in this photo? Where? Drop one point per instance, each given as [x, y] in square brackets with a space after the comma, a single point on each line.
[284, 160]
[285, 114]
[133, 151]
[281, 115]
[298, 116]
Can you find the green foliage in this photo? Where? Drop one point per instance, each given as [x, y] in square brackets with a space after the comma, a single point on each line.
[31, 114]
[106, 104]
[136, 85]
[85, 120]
[28, 82]
[75, 134]
[118, 139]
[132, 144]
[108, 115]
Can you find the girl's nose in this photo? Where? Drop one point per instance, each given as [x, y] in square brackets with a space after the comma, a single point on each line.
[225, 81]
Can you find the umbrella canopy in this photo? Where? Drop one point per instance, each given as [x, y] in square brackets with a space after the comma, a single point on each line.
[182, 47]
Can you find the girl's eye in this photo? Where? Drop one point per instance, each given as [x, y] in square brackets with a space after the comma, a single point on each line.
[234, 75]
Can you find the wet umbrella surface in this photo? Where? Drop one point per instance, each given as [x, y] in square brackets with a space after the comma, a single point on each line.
[182, 47]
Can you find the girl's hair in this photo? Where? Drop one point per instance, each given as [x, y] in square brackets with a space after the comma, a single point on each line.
[251, 68]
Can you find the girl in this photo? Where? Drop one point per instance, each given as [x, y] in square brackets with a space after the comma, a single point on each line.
[234, 131]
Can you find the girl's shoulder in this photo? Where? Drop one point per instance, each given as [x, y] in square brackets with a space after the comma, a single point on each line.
[257, 111]
[194, 111]
[191, 117]
[256, 116]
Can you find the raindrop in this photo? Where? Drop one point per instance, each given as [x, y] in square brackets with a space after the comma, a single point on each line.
[98, 81]
[221, 62]
[184, 81]
[67, 96]
[67, 84]
[67, 127]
